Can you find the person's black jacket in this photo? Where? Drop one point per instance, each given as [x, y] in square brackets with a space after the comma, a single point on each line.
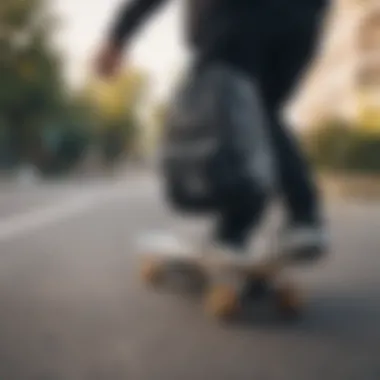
[207, 21]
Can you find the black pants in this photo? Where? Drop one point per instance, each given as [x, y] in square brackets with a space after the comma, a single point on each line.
[276, 47]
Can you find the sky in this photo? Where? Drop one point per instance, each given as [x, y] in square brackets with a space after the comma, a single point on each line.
[158, 47]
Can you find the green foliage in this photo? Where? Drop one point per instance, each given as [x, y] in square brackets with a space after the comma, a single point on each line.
[29, 68]
[39, 121]
[31, 87]
[115, 104]
[344, 148]
[117, 138]
[64, 141]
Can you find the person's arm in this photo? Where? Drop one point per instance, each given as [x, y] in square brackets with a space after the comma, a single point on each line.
[130, 16]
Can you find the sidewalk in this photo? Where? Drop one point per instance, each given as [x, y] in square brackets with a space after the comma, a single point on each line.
[358, 186]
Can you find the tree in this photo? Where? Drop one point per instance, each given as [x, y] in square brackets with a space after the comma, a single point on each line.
[116, 103]
[31, 87]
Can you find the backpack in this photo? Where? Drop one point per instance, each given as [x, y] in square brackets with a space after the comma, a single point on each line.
[214, 140]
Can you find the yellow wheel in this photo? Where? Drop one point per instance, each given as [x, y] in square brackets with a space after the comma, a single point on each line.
[288, 301]
[222, 302]
[151, 272]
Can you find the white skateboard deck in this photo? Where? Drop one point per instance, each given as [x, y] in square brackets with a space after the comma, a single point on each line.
[171, 249]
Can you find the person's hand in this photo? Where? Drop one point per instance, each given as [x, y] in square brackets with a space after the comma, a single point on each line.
[109, 61]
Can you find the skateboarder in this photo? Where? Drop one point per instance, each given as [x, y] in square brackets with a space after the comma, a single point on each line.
[271, 41]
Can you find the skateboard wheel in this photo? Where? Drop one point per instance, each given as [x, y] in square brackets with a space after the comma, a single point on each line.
[151, 272]
[222, 302]
[288, 302]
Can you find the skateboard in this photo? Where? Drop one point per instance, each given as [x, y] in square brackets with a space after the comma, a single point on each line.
[223, 282]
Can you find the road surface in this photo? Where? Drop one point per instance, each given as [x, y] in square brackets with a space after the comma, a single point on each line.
[71, 307]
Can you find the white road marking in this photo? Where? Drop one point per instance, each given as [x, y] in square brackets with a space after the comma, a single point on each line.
[22, 223]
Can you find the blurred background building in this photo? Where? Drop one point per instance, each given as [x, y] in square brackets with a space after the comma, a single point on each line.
[344, 81]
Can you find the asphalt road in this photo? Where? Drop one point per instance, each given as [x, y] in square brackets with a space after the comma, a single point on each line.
[71, 306]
